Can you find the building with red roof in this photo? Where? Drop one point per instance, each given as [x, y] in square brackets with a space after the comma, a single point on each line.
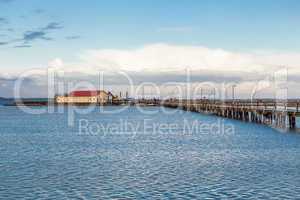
[86, 97]
[85, 93]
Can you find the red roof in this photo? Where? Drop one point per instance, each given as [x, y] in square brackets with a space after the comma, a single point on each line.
[85, 93]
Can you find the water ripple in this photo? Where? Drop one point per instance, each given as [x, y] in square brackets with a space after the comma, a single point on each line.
[48, 160]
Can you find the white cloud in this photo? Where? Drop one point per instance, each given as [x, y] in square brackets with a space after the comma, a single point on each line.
[56, 63]
[163, 62]
[164, 57]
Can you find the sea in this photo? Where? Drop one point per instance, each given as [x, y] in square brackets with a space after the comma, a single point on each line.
[143, 153]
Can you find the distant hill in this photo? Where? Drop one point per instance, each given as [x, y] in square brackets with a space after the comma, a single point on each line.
[27, 101]
[5, 101]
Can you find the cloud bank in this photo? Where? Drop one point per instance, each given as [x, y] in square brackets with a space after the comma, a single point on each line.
[164, 57]
[160, 63]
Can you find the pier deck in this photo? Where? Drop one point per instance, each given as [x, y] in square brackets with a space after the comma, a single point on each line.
[280, 113]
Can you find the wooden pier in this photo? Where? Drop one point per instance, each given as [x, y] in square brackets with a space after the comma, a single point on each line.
[281, 114]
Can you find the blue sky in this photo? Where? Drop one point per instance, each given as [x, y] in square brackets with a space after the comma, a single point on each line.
[34, 32]
[233, 25]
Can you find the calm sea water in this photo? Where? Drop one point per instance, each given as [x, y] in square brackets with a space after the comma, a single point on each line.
[41, 157]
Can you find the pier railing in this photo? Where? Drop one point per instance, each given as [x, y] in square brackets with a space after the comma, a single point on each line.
[266, 105]
[279, 113]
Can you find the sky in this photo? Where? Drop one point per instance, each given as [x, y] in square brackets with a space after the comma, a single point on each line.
[220, 41]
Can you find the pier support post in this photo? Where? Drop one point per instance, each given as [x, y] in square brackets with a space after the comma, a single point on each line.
[292, 121]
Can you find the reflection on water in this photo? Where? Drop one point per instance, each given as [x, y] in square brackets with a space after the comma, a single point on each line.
[41, 157]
